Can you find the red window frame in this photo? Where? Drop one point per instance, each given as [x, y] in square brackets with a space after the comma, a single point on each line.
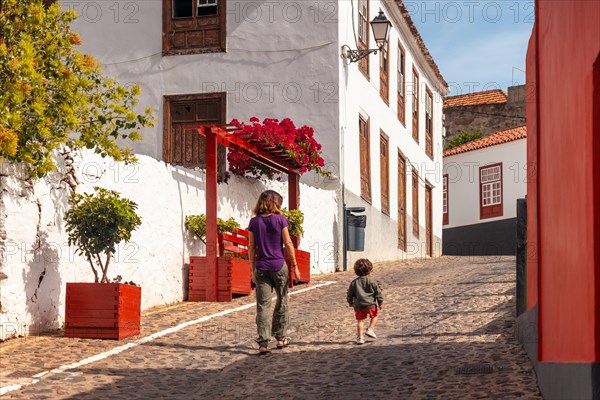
[446, 201]
[491, 206]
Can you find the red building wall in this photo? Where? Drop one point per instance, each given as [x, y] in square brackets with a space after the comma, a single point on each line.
[567, 158]
[531, 115]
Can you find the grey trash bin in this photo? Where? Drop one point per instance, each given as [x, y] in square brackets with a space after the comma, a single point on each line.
[356, 225]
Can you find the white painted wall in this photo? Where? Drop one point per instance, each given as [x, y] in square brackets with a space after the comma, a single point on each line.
[463, 181]
[359, 96]
[279, 62]
[39, 262]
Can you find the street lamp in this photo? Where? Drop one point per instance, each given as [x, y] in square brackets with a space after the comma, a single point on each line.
[381, 30]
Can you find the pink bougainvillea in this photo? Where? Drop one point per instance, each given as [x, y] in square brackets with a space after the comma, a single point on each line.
[297, 144]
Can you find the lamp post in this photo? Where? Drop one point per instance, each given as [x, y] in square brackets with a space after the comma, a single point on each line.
[381, 31]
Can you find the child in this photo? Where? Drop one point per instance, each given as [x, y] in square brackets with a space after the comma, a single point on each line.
[365, 296]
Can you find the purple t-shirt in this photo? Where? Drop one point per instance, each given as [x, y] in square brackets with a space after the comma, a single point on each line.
[268, 240]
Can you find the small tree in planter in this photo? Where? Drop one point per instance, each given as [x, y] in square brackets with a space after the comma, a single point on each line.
[234, 276]
[296, 219]
[96, 224]
[196, 224]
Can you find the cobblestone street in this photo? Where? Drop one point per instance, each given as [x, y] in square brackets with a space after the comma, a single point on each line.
[446, 331]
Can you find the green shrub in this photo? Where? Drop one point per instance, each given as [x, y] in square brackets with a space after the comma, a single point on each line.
[296, 219]
[462, 138]
[196, 224]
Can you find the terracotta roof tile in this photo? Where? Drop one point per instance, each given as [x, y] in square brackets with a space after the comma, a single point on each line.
[420, 42]
[487, 97]
[500, 137]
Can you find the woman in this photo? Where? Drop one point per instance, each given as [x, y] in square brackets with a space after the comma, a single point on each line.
[268, 236]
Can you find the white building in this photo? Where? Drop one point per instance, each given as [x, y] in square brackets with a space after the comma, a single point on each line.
[482, 181]
[207, 62]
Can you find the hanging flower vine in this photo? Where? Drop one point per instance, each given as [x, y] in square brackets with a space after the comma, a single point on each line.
[298, 144]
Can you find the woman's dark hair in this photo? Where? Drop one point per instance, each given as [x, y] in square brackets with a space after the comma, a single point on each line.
[269, 202]
[363, 267]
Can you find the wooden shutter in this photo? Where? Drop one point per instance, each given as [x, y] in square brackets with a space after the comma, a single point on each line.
[429, 123]
[363, 35]
[365, 160]
[384, 73]
[186, 31]
[185, 147]
[401, 202]
[384, 164]
[415, 108]
[401, 84]
[415, 203]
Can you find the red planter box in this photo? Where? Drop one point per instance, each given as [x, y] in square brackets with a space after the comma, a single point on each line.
[102, 310]
[303, 261]
[234, 277]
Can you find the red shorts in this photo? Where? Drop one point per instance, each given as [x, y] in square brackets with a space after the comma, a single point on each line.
[363, 314]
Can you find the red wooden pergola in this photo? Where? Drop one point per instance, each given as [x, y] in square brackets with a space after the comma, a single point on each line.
[268, 156]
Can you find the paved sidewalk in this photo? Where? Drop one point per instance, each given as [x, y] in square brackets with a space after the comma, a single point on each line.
[446, 332]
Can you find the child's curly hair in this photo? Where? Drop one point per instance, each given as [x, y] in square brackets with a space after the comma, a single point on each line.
[363, 267]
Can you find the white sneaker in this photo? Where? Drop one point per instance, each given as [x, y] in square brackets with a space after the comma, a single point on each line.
[371, 333]
[360, 340]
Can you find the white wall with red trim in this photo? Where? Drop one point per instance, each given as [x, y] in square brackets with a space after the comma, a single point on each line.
[464, 182]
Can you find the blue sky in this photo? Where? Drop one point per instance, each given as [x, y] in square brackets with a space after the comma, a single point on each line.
[478, 45]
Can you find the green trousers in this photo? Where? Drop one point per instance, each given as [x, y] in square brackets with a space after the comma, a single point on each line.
[266, 282]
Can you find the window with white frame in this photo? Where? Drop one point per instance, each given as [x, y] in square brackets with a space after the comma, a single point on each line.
[207, 7]
[490, 180]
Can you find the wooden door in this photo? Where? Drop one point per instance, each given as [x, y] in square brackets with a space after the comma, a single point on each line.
[385, 173]
[401, 202]
[428, 221]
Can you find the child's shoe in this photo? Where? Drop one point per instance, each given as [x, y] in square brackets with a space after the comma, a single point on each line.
[360, 340]
[371, 333]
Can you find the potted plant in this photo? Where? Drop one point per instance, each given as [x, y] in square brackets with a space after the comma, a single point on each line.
[296, 219]
[96, 224]
[234, 269]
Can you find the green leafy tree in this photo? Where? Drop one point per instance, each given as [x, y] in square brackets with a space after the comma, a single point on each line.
[462, 138]
[52, 95]
[96, 223]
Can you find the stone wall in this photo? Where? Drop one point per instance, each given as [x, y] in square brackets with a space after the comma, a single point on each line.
[487, 118]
